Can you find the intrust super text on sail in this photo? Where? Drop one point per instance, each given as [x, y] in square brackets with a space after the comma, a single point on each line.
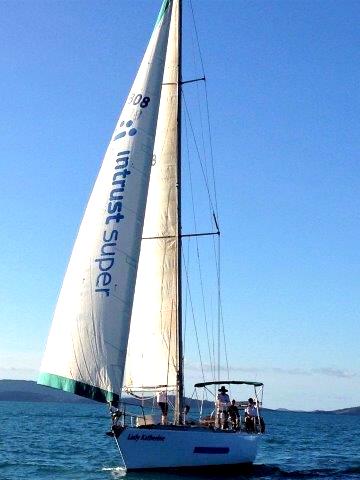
[106, 259]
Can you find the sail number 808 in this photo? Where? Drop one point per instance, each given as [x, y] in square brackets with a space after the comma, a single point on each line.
[139, 100]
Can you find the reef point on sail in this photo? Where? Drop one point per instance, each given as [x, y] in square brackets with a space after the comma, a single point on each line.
[106, 259]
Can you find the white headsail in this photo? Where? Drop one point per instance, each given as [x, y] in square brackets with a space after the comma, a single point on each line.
[87, 344]
[151, 357]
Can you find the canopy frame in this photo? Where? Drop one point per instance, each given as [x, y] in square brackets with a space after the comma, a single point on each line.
[229, 382]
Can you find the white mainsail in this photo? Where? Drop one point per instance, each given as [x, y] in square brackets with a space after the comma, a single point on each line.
[151, 357]
[87, 344]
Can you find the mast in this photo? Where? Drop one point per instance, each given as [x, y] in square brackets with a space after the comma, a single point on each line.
[180, 362]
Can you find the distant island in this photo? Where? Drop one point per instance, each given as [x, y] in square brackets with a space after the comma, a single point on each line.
[30, 391]
[342, 411]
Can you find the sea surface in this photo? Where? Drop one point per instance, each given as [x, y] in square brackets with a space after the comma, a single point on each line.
[67, 442]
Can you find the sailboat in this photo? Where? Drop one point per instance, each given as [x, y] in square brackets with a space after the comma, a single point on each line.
[117, 325]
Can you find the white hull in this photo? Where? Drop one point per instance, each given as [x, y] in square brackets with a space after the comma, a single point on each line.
[188, 447]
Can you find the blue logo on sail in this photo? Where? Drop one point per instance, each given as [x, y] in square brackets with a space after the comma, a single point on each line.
[130, 132]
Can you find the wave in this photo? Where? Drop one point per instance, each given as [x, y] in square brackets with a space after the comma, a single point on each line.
[266, 471]
[255, 472]
[115, 472]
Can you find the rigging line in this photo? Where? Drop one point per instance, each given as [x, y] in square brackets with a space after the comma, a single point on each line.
[218, 272]
[202, 168]
[198, 153]
[198, 257]
[194, 80]
[207, 109]
[195, 328]
[218, 338]
[212, 334]
[199, 102]
[217, 251]
[206, 163]
[187, 260]
[216, 248]
[220, 318]
[186, 81]
[195, 58]
[202, 131]
[217, 256]
[169, 347]
[212, 359]
[121, 455]
[205, 234]
[186, 302]
[225, 344]
[197, 37]
[211, 151]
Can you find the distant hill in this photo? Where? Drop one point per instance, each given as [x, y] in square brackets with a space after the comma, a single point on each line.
[342, 411]
[29, 391]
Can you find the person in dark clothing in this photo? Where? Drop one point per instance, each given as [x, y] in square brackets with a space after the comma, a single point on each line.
[234, 415]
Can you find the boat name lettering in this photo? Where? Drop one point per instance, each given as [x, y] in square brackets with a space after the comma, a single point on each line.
[106, 259]
[151, 438]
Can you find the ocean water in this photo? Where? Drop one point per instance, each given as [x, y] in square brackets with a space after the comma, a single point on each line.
[46, 441]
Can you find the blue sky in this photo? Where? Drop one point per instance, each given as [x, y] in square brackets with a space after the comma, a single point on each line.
[283, 82]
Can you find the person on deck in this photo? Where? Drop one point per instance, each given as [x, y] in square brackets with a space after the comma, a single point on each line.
[250, 415]
[161, 398]
[223, 402]
[234, 415]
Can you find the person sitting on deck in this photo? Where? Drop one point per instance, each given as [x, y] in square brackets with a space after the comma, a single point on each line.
[223, 402]
[234, 415]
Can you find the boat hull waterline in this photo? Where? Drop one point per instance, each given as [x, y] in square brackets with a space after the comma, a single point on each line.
[174, 447]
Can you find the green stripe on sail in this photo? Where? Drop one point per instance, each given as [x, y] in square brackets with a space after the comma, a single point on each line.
[79, 388]
[163, 9]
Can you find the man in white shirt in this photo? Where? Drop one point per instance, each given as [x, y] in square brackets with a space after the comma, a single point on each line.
[250, 415]
[161, 398]
[251, 410]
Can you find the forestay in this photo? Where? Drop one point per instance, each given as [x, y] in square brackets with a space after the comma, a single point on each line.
[86, 349]
[151, 358]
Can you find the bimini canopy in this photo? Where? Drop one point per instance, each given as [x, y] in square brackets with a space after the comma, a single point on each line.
[229, 382]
